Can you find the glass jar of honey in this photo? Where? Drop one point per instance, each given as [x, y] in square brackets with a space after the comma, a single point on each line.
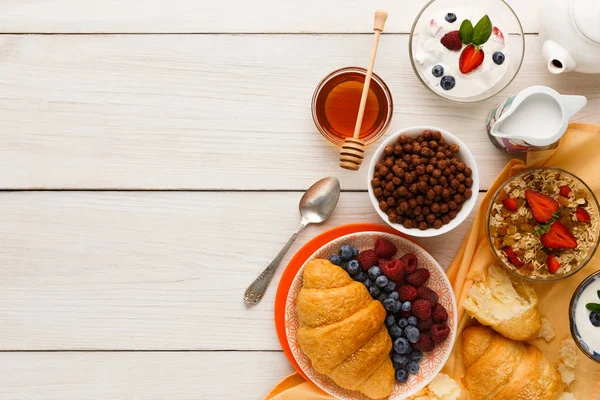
[335, 106]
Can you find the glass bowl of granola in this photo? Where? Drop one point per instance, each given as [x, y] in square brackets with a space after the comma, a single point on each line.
[543, 224]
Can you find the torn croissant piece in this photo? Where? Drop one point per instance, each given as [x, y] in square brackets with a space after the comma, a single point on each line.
[507, 304]
[342, 330]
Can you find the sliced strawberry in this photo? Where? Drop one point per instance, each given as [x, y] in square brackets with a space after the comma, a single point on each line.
[582, 215]
[542, 207]
[510, 204]
[553, 264]
[497, 35]
[564, 191]
[470, 58]
[558, 237]
[512, 256]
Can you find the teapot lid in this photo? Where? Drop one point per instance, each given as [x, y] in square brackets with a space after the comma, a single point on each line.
[586, 14]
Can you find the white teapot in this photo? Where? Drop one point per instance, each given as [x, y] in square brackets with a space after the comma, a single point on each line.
[570, 33]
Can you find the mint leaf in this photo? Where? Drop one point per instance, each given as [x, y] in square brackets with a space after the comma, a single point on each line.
[466, 32]
[593, 307]
[482, 31]
[598, 293]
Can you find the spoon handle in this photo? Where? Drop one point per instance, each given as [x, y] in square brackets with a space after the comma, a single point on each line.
[257, 289]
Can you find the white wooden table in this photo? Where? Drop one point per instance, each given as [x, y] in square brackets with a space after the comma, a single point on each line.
[152, 156]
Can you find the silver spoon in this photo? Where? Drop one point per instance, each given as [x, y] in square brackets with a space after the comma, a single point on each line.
[316, 206]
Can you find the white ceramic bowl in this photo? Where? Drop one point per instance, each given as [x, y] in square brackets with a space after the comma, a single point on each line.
[464, 155]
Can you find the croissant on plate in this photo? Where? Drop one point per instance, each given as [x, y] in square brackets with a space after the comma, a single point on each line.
[342, 330]
[498, 368]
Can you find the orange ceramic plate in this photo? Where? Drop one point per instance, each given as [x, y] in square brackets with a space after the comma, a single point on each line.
[296, 263]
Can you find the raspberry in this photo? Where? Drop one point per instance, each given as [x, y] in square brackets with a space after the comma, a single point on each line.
[439, 332]
[410, 263]
[424, 344]
[426, 293]
[394, 270]
[383, 262]
[421, 309]
[451, 41]
[439, 313]
[384, 248]
[367, 259]
[407, 293]
[424, 325]
[418, 278]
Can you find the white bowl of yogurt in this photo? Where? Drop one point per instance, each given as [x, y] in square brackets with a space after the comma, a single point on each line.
[585, 334]
[437, 67]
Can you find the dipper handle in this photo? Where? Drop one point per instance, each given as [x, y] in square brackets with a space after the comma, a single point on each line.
[380, 18]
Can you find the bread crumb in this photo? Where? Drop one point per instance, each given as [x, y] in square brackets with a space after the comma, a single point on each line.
[567, 396]
[568, 352]
[567, 374]
[442, 387]
[546, 331]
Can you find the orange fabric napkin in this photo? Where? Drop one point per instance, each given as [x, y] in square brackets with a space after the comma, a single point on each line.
[578, 153]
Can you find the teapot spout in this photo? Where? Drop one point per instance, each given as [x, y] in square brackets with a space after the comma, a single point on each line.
[558, 58]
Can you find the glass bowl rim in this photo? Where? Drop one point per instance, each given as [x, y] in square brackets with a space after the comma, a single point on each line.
[493, 249]
[572, 323]
[374, 78]
[418, 75]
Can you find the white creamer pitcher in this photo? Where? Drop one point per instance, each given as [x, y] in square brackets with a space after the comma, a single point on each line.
[533, 119]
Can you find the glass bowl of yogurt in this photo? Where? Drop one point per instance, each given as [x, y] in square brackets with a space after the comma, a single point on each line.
[470, 64]
[585, 332]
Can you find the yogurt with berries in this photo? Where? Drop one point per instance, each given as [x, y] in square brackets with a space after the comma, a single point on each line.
[586, 331]
[448, 61]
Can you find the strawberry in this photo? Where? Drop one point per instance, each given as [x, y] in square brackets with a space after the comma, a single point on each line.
[424, 344]
[471, 58]
[410, 263]
[558, 237]
[393, 270]
[367, 259]
[497, 35]
[407, 293]
[384, 248]
[451, 41]
[439, 332]
[582, 215]
[424, 325]
[426, 293]
[421, 309]
[510, 253]
[553, 264]
[418, 278]
[564, 191]
[510, 204]
[439, 313]
[542, 207]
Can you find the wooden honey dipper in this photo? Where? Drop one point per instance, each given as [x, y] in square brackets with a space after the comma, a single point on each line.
[353, 149]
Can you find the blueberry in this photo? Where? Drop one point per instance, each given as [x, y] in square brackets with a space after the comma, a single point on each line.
[353, 268]
[381, 281]
[401, 375]
[346, 252]
[437, 71]
[344, 265]
[374, 291]
[398, 306]
[395, 331]
[382, 296]
[368, 283]
[498, 57]
[393, 295]
[402, 323]
[400, 359]
[391, 286]
[413, 367]
[416, 355]
[595, 319]
[354, 252]
[412, 320]
[401, 346]
[360, 277]
[390, 320]
[374, 272]
[389, 304]
[412, 334]
[447, 82]
[406, 306]
[451, 17]
[336, 260]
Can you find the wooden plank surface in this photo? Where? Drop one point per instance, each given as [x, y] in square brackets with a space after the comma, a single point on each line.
[210, 16]
[140, 375]
[212, 112]
[152, 271]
